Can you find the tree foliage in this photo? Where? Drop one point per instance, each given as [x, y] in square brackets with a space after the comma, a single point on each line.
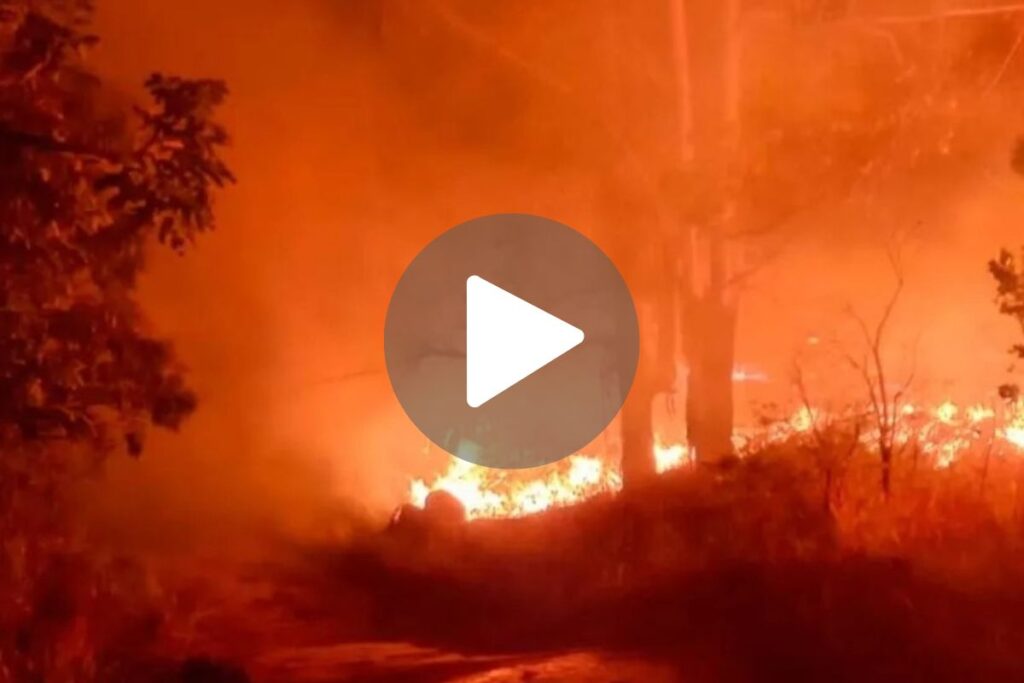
[88, 183]
[1008, 271]
[85, 185]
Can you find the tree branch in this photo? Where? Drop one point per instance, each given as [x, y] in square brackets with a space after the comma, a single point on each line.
[960, 13]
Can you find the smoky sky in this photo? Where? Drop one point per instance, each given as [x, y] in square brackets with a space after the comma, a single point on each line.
[363, 129]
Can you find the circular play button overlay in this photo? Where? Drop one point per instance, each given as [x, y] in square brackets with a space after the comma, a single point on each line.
[511, 341]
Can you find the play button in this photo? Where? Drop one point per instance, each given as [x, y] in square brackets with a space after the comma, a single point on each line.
[508, 339]
[511, 341]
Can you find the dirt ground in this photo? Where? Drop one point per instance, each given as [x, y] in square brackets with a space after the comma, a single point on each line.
[700, 580]
[412, 664]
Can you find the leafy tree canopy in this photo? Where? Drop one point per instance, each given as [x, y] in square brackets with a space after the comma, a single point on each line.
[86, 183]
[1008, 271]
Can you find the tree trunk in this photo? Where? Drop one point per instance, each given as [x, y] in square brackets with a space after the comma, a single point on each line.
[654, 269]
[655, 373]
[637, 431]
[711, 328]
[886, 471]
[708, 314]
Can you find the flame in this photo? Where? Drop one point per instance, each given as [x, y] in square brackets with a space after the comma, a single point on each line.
[804, 419]
[945, 433]
[979, 413]
[486, 492]
[670, 456]
[947, 412]
[1013, 431]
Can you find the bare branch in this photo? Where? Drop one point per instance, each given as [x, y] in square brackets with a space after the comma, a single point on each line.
[474, 35]
[862, 325]
[960, 13]
[1006, 62]
[885, 406]
[913, 371]
[895, 260]
[887, 37]
[350, 376]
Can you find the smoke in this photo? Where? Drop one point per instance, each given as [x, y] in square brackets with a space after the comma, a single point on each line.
[344, 173]
[361, 130]
[276, 313]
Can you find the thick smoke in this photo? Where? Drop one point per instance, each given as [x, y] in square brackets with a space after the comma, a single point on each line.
[362, 129]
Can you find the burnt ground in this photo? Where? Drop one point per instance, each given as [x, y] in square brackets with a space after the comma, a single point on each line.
[724, 577]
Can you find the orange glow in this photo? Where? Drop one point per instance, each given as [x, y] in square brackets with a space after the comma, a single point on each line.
[670, 456]
[945, 433]
[1013, 432]
[486, 492]
[947, 412]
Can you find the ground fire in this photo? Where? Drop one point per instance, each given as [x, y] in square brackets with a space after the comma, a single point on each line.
[942, 435]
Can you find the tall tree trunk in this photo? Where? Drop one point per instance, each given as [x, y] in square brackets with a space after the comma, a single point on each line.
[709, 397]
[638, 430]
[708, 314]
[655, 373]
[653, 267]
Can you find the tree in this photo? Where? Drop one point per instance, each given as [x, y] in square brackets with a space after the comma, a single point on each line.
[885, 398]
[1008, 271]
[709, 103]
[87, 183]
[758, 153]
[721, 134]
[83, 191]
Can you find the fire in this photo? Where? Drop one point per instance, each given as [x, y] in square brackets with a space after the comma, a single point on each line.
[804, 419]
[978, 414]
[947, 412]
[670, 456]
[945, 433]
[486, 492]
[1013, 432]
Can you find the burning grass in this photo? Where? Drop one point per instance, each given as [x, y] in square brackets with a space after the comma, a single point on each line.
[937, 437]
[731, 573]
[741, 571]
[785, 563]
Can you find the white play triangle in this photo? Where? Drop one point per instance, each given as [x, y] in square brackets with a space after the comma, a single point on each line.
[508, 339]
